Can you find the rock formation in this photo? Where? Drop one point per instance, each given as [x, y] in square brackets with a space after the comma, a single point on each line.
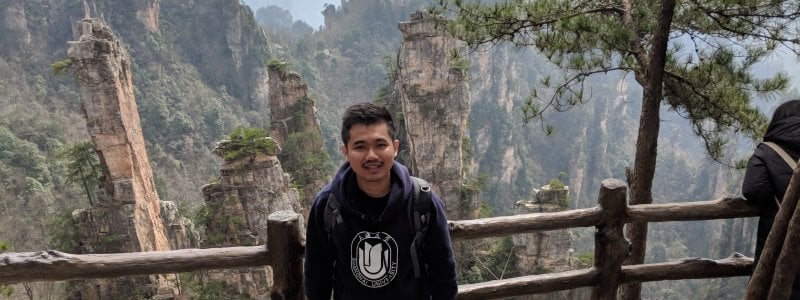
[434, 93]
[295, 127]
[248, 190]
[291, 108]
[547, 251]
[128, 216]
[147, 12]
[543, 251]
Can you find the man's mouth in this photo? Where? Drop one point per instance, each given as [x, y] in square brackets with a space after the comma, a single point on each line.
[372, 165]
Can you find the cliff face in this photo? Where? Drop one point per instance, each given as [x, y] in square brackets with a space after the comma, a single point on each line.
[249, 189]
[102, 68]
[295, 127]
[287, 91]
[434, 93]
[128, 216]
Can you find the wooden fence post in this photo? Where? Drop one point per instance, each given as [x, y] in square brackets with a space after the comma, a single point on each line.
[610, 248]
[285, 240]
[787, 265]
[765, 268]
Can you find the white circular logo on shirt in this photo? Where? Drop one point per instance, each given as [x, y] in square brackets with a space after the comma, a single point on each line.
[373, 258]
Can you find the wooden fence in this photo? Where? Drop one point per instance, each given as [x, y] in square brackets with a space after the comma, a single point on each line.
[284, 251]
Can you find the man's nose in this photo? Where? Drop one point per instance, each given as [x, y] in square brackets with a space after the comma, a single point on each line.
[371, 153]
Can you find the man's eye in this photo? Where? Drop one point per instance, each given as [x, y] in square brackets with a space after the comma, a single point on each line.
[359, 147]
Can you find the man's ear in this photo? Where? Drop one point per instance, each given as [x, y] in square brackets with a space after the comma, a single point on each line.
[396, 145]
[343, 148]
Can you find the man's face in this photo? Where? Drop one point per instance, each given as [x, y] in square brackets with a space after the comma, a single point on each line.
[371, 151]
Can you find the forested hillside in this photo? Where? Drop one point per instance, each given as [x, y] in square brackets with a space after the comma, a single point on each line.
[199, 71]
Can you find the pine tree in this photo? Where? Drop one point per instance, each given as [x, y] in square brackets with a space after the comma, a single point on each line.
[83, 167]
[693, 56]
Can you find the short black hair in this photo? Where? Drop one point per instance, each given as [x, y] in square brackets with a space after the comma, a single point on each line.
[365, 113]
[787, 109]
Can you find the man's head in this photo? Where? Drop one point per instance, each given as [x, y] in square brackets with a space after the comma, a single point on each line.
[370, 146]
[366, 113]
[787, 109]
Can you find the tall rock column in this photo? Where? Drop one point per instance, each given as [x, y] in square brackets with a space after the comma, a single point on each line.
[128, 216]
[294, 126]
[434, 92]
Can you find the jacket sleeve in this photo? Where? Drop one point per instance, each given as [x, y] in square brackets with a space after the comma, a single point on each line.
[439, 255]
[757, 186]
[318, 269]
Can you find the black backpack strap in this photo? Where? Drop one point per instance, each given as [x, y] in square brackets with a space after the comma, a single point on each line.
[332, 215]
[422, 206]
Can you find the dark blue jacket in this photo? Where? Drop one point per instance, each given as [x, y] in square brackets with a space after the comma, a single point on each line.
[369, 258]
[767, 178]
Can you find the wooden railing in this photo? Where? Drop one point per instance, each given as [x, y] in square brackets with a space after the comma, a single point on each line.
[284, 251]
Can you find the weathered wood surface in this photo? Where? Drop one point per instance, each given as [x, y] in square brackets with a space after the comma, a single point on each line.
[689, 268]
[532, 284]
[788, 264]
[502, 226]
[54, 265]
[759, 285]
[610, 247]
[285, 240]
[724, 208]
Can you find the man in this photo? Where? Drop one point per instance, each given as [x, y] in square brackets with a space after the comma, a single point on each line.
[363, 248]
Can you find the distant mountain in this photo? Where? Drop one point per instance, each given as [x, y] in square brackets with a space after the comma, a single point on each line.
[310, 11]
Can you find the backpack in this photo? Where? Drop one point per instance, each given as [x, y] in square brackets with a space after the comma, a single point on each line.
[421, 204]
[788, 159]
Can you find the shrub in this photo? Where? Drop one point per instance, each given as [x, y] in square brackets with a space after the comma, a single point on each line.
[249, 142]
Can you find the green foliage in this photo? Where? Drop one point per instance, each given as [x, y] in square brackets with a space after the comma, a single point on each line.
[458, 61]
[298, 112]
[224, 224]
[710, 81]
[62, 233]
[111, 239]
[556, 184]
[6, 290]
[305, 157]
[497, 261]
[161, 187]
[563, 198]
[474, 183]
[83, 167]
[24, 157]
[486, 211]
[61, 67]
[195, 287]
[584, 260]
[279, 66]
[249, 142]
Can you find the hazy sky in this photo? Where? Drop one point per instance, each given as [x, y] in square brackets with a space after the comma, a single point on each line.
[309, 11]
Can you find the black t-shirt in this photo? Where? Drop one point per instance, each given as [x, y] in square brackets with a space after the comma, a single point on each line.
[370, 206]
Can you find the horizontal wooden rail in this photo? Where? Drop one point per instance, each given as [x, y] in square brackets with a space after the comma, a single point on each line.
[501, 226]
[724, 208]
[54, 265]
[524, 285]
[688, 268]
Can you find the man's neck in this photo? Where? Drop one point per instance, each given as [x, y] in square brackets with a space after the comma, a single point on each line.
[375, 189]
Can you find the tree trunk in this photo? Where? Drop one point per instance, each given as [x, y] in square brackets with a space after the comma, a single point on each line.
[644, 168]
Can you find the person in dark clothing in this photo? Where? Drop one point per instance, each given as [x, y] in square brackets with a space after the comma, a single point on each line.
[368, 256]
[767, 176]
